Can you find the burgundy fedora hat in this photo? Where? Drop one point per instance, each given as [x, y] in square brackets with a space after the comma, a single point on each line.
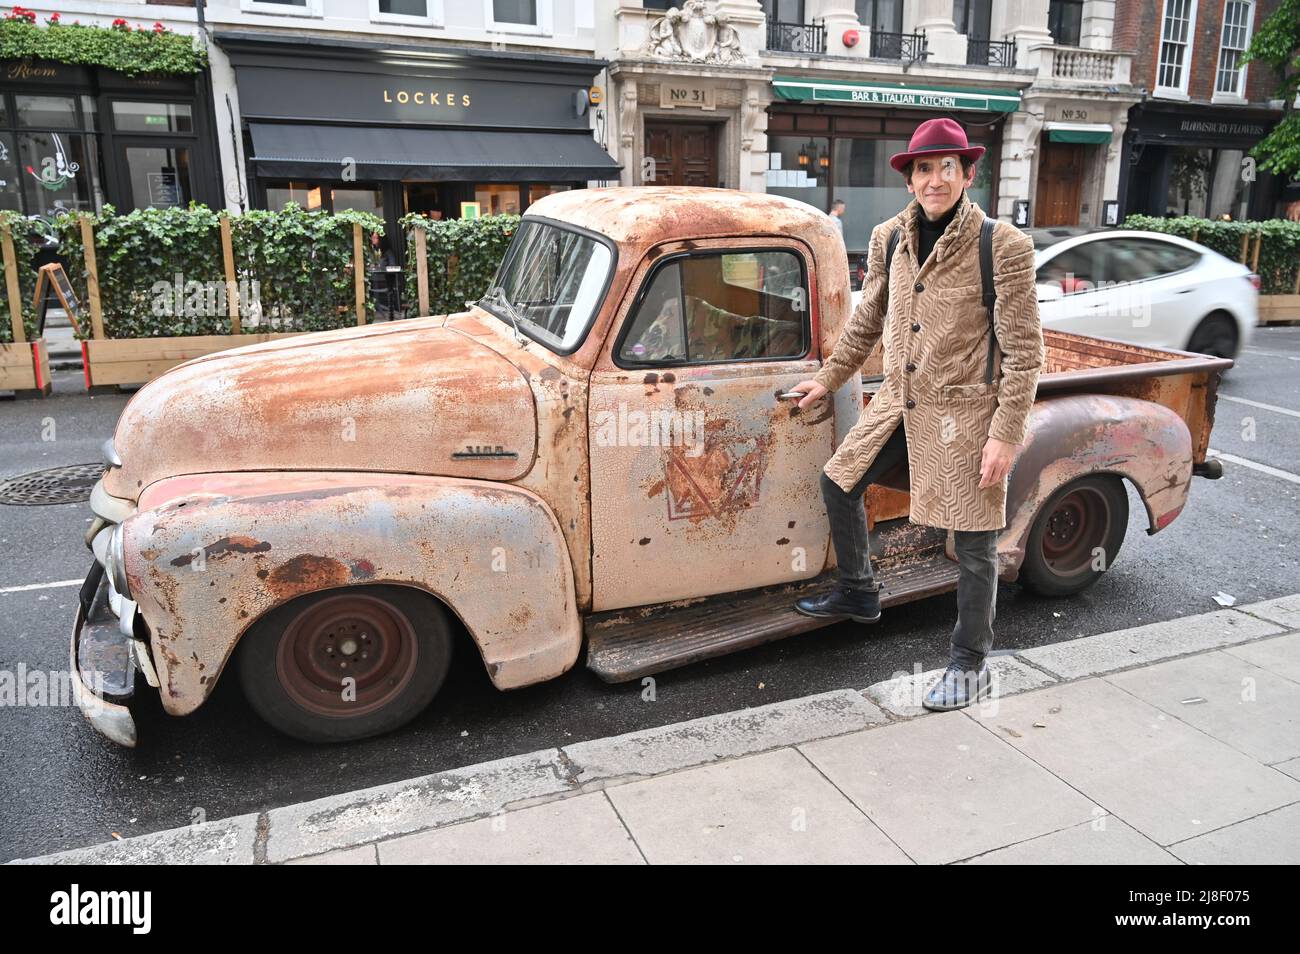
[936, 135]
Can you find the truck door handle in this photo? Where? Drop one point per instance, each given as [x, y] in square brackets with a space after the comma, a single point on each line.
[1184, 291]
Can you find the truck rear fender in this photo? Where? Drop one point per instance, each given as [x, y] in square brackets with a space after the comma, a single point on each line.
[1079, 434]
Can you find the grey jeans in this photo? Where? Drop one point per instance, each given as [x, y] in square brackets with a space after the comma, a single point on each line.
[977, 558]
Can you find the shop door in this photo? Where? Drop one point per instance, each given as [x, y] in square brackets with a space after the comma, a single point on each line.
[1060, 184]
[155, 173]
[683, 154]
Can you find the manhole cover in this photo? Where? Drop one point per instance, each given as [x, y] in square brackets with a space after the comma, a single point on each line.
[58, 485]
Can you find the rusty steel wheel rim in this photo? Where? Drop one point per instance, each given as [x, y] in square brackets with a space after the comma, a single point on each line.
[1078, 524]
[349, 635]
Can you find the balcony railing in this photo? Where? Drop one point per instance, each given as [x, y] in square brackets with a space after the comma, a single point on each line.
[797, 37]
[991, 52]
[1090, 66]
[899, 46]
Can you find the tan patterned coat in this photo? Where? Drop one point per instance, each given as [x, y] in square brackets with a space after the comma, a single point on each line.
[935, 349]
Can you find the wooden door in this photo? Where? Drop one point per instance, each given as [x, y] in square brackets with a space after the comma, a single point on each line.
[684, 153]
[1060, 184]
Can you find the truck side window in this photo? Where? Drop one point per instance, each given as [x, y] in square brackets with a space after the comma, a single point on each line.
[721, 306]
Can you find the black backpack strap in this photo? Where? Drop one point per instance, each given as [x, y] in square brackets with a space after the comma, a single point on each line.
[894, 236]
[990, 294]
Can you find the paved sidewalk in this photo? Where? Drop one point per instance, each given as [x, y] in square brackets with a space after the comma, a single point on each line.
[1176, 742]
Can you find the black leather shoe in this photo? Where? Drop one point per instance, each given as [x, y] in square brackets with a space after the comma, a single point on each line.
[862, 606]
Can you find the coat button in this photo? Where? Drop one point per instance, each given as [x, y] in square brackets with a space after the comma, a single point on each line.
[911, 366]
[916, 327]
[910, 404]
[918, 288]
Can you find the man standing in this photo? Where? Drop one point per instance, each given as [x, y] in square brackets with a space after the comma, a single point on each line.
[955, 412]
[837, 214]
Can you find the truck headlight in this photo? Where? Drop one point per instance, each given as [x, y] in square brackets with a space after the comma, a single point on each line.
[115, 562]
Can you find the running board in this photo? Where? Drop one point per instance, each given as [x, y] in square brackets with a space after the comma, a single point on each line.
[630, 643]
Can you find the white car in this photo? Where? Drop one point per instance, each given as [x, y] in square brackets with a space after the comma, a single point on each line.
[1143, 287]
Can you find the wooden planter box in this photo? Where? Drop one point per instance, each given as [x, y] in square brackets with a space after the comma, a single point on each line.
[135, 361]
[1279, 309]
[25, 367]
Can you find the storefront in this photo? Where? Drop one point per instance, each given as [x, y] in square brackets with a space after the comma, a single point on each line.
[1193, 160]
[76, 138]
[831, 139]
[446, 132]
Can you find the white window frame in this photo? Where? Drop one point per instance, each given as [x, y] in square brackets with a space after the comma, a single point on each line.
[1179, 91]
[543, 27]
[312, 8]
[1240, 96]
[433, 15]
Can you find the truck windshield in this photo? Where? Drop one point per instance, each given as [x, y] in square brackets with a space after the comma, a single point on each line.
[552, 281]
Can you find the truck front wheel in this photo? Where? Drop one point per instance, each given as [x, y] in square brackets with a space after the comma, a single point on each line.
[1076, 536]
[346, 664]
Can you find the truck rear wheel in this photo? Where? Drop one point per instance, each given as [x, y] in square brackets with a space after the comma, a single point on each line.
[346, 664]
[1076, 536]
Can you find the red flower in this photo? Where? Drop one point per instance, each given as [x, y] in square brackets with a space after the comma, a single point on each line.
[54, 18]
[120, 24]
[159, 28]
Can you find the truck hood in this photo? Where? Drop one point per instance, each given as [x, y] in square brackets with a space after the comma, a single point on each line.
[411, 397]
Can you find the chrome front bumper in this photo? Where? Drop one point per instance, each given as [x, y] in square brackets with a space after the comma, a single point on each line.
[102, 663]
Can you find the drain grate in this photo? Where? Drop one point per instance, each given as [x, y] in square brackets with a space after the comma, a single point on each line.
[58, 485]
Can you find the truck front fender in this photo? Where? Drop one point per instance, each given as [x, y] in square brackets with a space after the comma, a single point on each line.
[1079, 434]
[208, 556]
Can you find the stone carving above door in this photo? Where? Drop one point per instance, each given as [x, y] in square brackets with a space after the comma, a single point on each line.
[692, 34]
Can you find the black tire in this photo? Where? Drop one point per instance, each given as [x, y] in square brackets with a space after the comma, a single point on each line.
[1060, 554]
[1216, 335]
[394, 642]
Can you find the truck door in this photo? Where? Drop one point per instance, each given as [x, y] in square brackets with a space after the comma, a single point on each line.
[703, 480]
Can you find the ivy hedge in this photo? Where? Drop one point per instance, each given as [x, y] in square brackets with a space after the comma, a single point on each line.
[118, 47]
[161, 271]
[463, 255]
[26, 243]
[1279, 252]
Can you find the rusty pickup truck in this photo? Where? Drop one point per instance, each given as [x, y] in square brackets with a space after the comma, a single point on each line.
[595, 455]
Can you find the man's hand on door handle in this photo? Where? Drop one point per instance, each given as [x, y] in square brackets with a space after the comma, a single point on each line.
[812, 393]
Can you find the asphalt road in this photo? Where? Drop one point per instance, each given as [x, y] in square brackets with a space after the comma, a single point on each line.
[63, 786]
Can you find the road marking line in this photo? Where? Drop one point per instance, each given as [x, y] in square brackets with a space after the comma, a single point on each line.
[1272, 354]
[1262, 468]
[1267, 407]
[40, 586]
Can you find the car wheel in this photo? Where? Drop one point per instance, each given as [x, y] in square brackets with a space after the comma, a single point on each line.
[1216, 335]
[1076, 536]
[346, 664]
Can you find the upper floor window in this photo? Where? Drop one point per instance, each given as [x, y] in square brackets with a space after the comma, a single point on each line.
[1175, 39]
[1230, 78]
[1065, 21]
[784, 11]
[515, 11]
[972, 17]
[882, 16]
[292, 8]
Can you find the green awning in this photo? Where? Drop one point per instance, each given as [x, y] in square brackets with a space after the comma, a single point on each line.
[804, 90]
[1088, 133]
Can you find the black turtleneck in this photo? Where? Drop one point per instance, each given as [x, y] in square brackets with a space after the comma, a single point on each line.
[928, 232]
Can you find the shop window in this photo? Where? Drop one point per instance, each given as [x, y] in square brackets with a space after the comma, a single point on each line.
[305, 194]
[51, 112]
[10, 186]
[1230, 192]
[872, 191]
[497, 199]
[152, 117]
[160, 176]
[360, 200]
[1230, 77]
[1189, 177]
[710, 307]
[536, 192]
[1065, 21]
[795, 168]
[57, 174]
[1176, 27]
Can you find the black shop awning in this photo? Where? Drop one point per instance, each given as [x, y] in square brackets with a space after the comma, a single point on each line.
[286, 150]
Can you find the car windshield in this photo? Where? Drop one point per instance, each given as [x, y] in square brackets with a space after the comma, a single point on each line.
[551, 282]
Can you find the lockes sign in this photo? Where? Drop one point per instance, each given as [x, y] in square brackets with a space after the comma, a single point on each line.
[426, 97]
